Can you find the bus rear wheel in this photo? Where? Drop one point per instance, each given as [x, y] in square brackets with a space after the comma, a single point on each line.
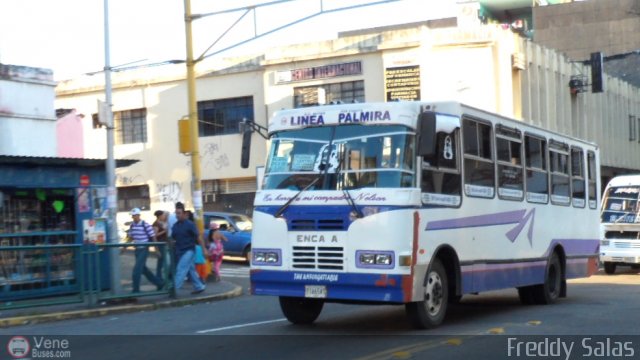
[301, 310]
[549, 291]
[610, 268]
[430, 312]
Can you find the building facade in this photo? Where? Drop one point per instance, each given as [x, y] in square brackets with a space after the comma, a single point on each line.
[486, 66]
[27, 115]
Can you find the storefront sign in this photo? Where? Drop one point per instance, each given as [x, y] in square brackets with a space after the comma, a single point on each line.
[319, 72]
[402, 83]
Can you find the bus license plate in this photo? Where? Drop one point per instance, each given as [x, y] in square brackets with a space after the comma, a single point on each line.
[315, 291]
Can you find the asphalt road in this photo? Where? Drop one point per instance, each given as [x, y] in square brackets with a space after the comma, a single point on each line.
[598, 312]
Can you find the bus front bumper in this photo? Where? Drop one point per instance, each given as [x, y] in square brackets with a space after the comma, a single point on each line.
[620, 256]
[332, 286]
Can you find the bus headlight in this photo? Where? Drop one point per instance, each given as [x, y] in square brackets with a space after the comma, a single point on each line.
[604, 242]
[383, 259]
[272, 257]
[374, 259]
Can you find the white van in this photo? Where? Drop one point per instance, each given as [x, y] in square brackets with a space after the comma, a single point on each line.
[620, 223]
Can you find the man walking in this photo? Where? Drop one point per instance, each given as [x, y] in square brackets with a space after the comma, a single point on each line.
[141, 233]
[186, 236]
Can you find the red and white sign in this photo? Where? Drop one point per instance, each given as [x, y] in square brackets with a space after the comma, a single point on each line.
[84, 180]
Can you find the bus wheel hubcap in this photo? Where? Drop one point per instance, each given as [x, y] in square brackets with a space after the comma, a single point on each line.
[434, 293]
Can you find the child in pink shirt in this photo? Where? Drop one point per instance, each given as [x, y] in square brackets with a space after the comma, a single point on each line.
[216, 249]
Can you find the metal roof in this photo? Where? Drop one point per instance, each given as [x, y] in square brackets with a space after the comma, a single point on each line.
[59, 161]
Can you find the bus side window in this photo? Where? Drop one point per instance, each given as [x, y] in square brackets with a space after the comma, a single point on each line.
[537, 178]
[440, 173]
[560, 180]
[479, 168]
[593, 180]
[577, 177]
[510, 179]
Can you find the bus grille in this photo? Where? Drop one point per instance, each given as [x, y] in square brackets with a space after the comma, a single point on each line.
[626, 245]
[316, 224]
[318, 258]
[621, 235]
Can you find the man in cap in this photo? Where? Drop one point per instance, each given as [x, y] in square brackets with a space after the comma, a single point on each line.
[140, 233]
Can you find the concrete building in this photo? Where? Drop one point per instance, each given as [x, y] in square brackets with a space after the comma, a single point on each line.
[579, 28]
[486, 66]
[27, 115]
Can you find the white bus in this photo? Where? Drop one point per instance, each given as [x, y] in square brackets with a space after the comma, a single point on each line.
[620, 223]
[419, 203]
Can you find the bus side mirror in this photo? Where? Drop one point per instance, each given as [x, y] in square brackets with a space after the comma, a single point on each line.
[427, 134]
[246, 149]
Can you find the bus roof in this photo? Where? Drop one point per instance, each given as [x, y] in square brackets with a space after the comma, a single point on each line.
[402, 113]
[387, 113]
[625, 180]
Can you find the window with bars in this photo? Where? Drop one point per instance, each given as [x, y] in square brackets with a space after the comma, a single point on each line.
[221, 117]
[130, 126]
[130, 197]
[347, 92]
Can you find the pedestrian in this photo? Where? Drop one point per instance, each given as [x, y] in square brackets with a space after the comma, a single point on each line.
[186, 237]
[160, 227]
[141, 233]
[172, 218]
[216, 249]
[201, 264]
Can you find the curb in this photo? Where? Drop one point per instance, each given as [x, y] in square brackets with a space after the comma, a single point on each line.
[88, 313]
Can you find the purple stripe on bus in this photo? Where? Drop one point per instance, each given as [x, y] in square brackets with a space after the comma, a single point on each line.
[576, 246]
[508, 217]
[485, 277]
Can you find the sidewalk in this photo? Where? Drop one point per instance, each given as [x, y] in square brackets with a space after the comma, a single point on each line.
[215, 291]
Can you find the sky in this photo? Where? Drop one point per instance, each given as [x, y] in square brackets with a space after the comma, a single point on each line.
[67, 36]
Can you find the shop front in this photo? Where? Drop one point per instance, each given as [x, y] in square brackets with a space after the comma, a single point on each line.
[49, 209]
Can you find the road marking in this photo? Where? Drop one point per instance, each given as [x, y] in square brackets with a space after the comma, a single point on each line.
[240, 326]
[235, 272]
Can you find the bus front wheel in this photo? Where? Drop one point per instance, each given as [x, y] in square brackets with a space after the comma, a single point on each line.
[300, 310]
[610, 268]
[430, 312]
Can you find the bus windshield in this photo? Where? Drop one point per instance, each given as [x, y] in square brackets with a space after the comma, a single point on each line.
[344, 157]
[620, 205]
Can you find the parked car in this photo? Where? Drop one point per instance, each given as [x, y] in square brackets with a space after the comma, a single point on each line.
[236, 228]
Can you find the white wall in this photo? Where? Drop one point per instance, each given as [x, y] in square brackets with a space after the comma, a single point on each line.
[27, 115]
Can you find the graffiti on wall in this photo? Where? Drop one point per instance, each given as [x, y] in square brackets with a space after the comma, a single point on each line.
[170, 192]
[212, 157]
[122, 180]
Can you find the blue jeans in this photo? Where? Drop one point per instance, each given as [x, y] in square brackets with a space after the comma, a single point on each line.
[162, 259]
[140, 268]
[187, 264]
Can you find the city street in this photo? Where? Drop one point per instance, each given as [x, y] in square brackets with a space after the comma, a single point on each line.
[481, 324]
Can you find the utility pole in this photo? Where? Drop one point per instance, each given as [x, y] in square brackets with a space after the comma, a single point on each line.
[112, 193]
[196, 186]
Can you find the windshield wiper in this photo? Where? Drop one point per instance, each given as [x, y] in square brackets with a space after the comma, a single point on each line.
[359, 213]
[286, 205]
[346, 193]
